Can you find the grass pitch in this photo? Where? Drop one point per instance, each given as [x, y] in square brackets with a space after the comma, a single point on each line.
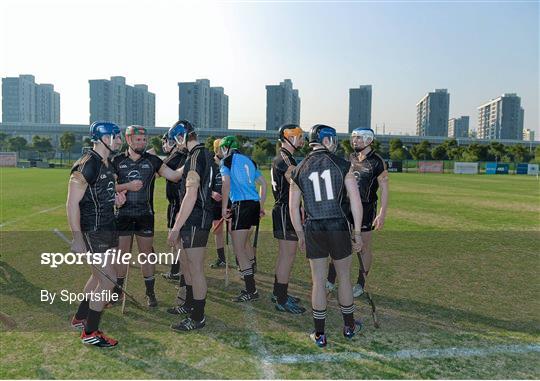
[455, 279]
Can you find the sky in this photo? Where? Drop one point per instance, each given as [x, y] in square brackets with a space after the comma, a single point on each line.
[476, 50]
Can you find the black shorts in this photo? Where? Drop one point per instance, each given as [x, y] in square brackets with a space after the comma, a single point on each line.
[281, 221]
[143, 225]
[328, 237]
[370, 212]
[196, 230]
[245, 214]
[102, 240]
[216, 210]
[172, 212]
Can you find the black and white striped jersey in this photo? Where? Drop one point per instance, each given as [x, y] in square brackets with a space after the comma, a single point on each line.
[366, 173]
[97, 204]
[174, 161]
[280, 184]
[200, 160]
[321, 178]
[145, 168]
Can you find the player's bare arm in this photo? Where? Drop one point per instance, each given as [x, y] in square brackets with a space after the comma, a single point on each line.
[188, 202]
[356, 209]
[225, 191]
[76, 189]
[169, 174]
[294, 210]
[120, 199]
[382, 179]
[132, 186]
[262, 193]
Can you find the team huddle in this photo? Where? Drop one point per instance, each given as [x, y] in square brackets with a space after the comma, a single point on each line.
[326, 206]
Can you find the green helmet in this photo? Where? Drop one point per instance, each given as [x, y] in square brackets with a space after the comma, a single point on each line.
[229, 142]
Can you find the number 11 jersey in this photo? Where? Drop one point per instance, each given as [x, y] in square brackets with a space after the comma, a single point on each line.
[321, 179]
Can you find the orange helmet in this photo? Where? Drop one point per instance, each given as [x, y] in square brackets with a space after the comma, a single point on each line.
[291, 133]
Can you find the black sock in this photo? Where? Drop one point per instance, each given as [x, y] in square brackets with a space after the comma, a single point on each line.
[92, 322]
[319, 318]
[82, 311]
[332, 273]
[149, 282]
[189, 296]
[117, 290]
[274, 291]
[348, 314]
[254, 263]
[175, 268]
[198, 309]
[249, 280]
[361, 279]
[182, 281]
[281, 289]
[221, 254]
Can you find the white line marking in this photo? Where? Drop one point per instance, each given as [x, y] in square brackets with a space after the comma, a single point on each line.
[405, 354]
[256, 343]
[30, 215]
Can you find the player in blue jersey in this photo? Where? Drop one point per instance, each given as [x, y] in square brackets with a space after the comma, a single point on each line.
[240, 177]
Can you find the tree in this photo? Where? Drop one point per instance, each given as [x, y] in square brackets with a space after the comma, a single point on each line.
[396, 150]
[41, 144]
[17, 144]
[518, 153]
[209, 143]
[449, 145]
[306, 148]
[496, 150]
[245, 144]
[155, 143]
[472, 153]
[67, 140]
[347, 148]
[421, 151]
[537, 154]
[395, 144]
[439, 152]
[398, 154]
[455, 153]
[87, 142]
[376, 146]
[3, 140]
[259, 155]
[266, 146]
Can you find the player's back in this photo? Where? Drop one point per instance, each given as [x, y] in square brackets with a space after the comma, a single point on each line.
[321, 178]
[243, 173]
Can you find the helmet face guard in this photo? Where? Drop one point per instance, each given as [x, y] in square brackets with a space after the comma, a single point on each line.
[333, 143]
[361, 138]
[227, 144]
[178, 134]
[98, 130]
[292, 134]
[318, 134]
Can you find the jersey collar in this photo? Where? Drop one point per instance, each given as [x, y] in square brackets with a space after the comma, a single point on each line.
[289, 154]
[198, 146]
